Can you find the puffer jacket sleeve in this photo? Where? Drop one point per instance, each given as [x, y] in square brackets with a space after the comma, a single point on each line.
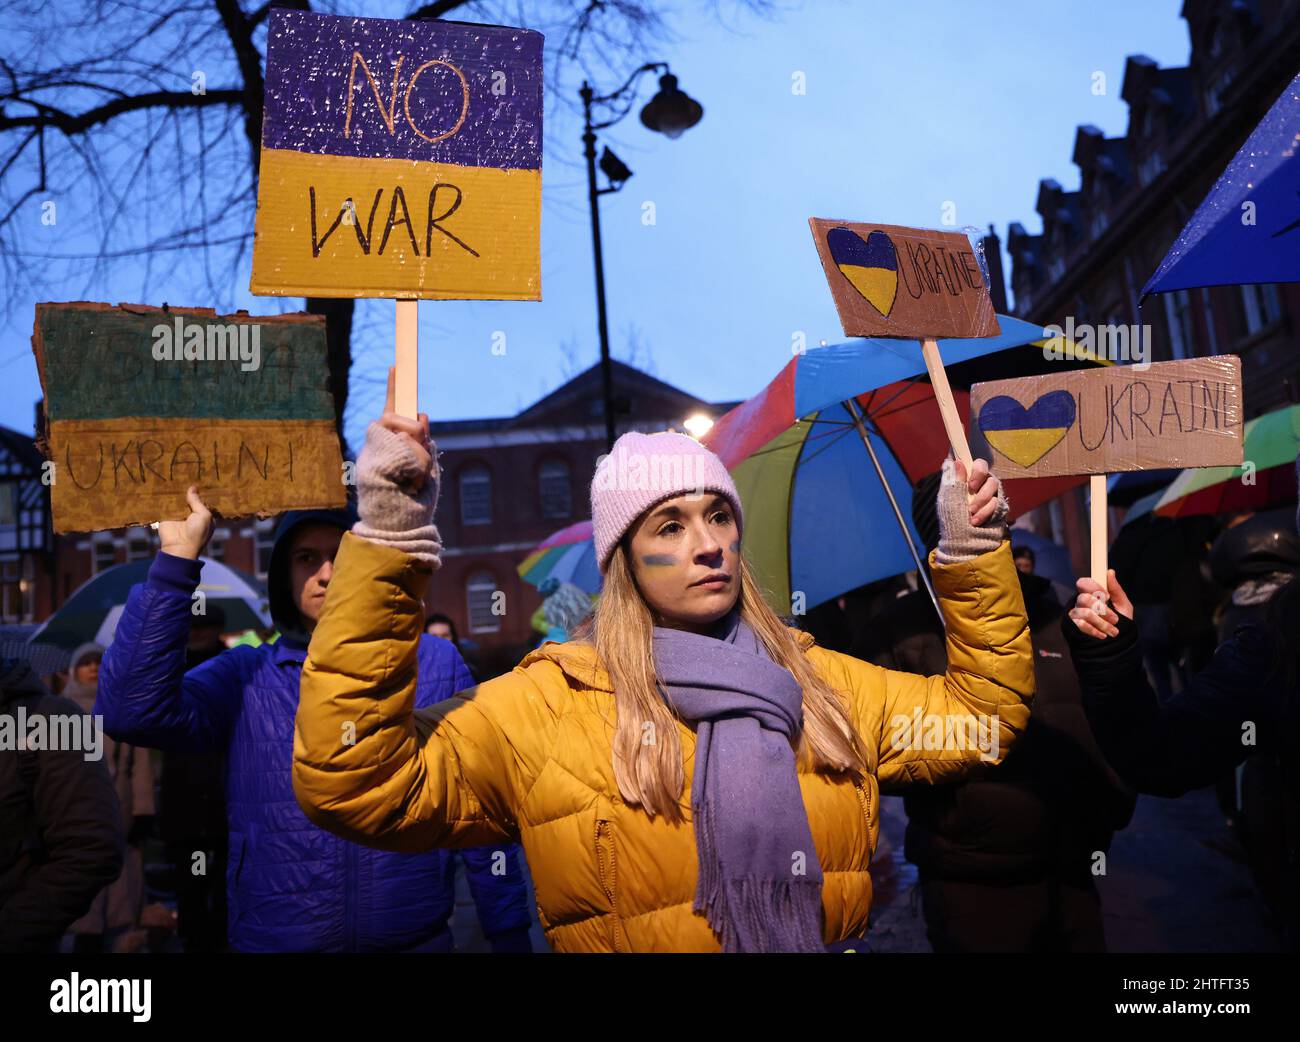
[145, 696]
[496, 883]
[939, 728]
[370, 767]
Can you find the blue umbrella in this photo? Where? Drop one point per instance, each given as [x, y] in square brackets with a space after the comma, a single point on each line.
[822, 467]
[1220, 246]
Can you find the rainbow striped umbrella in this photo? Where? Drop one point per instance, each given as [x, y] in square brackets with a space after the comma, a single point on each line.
[1271, 444]
[825, 456]
[568, 555]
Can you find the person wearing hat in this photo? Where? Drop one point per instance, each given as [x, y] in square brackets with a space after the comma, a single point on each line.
[115, 913]
[687, 773]
[61, 836]
[290, 885]
[1245, 703]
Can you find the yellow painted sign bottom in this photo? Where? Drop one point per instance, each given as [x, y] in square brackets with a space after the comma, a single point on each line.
[340, 226]
[109, 473]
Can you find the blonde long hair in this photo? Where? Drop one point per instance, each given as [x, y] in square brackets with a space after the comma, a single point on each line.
[647, 747]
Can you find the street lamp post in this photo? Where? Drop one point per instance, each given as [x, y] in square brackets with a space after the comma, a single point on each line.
[670, 112]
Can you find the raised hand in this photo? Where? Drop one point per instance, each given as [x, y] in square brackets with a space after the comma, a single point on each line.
[1093, 614]
[190, 537]
[415, 431]
[983, 489]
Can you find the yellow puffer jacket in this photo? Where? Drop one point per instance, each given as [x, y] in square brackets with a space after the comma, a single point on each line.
[527, 756]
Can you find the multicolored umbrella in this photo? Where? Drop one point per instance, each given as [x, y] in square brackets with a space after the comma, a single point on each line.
[1222, 247]
[1271, 444]
[91, 613]
[568, 555]
[826, 455]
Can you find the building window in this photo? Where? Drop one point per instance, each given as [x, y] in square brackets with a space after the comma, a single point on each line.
[480, 594]
[216, 548]
[1178, 316]
[139, 544]
[16, 591]
[476, 496]
[1151, 168]
[263, 530]
[555, 490]
[1260, 305]
[103, 555]
[8, 503]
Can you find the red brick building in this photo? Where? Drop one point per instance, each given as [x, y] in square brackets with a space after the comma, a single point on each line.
[1103, 240]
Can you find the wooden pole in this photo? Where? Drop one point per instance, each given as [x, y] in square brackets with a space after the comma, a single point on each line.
[1097, 490]
[947, 407]
[407, 357]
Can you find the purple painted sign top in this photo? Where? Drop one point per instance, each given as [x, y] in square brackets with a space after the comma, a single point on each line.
[444, 92]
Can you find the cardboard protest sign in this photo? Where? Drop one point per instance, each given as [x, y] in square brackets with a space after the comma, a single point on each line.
[1127, 417]
[399, 159]
[141, 403]
[904, 282]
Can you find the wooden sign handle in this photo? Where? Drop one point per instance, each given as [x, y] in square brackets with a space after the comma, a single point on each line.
[407, 357]
[947, 407]
[1097, 489]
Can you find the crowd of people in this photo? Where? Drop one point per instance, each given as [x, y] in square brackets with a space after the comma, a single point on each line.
[682, 769]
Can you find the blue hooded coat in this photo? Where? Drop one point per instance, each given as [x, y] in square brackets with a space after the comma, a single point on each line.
[291, 885]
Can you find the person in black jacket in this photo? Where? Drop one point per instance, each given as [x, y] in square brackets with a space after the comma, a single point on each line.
[1007, 860]
[61, 839]
[1244, 702]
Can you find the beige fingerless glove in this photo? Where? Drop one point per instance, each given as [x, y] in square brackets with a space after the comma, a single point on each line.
[391, 511]
[959, 540]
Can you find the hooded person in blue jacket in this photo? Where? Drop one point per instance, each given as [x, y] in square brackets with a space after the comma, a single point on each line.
[291, 886]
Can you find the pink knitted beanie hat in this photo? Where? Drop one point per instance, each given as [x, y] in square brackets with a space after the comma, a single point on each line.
[644, 469]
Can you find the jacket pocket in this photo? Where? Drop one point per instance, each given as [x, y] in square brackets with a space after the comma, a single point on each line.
[607, 871]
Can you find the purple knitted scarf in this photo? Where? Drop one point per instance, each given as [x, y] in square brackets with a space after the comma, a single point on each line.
[759, 878]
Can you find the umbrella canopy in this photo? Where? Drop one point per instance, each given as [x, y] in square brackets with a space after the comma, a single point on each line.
[1271, 444]
[1222, 247]
[819, 519]
[43, 658]
[91, 613]
[568, 555]
[1127, 487]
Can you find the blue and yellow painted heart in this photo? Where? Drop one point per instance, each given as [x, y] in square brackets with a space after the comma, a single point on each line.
[1023, 435]
[870, 265]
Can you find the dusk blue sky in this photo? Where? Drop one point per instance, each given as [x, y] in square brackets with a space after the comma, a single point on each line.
[908, 106]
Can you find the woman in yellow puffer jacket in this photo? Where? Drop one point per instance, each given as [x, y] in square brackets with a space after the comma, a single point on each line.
[688, 773]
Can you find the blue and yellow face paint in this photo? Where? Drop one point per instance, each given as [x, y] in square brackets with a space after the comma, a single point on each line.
[400, 159]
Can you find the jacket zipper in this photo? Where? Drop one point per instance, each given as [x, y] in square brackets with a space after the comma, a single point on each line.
[602, 827]
[865, 800]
